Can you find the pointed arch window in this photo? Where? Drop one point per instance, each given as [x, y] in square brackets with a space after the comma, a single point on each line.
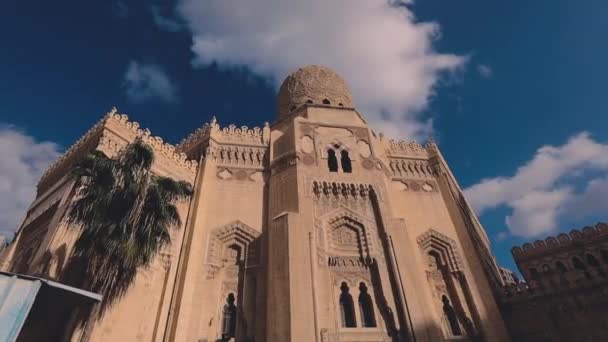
[345, 161]
[347, 308]
[450, 316]
[332, 160]
[366, 305]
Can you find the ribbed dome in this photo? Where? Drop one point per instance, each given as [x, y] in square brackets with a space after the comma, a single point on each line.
[313, 84]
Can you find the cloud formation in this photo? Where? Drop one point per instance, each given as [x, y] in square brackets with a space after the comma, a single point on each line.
[163, 22]
[145, 82]
[23, 161]
[543, 191]
[485, 70]
[385, 55]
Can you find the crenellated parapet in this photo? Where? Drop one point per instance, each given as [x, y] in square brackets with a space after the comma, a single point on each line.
[61, 166]
[563, 241]
[409, 149]
[156, 143]
[230, 134]
[110, 134]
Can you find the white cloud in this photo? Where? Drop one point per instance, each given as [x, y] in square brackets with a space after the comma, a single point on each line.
[144, 82]
[386, 56]
[164, 22]
[23, 161]
[485, 70]
[542, 192]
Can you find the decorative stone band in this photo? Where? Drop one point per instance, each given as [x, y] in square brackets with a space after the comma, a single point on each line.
[551, 244]
[86, 143]
[339, 189]
[235, 155]
[408, 168]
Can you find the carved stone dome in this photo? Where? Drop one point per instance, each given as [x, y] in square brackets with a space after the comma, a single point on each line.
[313, 84]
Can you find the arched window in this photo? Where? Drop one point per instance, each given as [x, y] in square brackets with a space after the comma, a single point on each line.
[560, 267]
[578, 264]
[366, 305]
[592, 260]
[450, 316]
[326, 101]
[332, 161]
[347, 308]
[229, 318]
[345, 161]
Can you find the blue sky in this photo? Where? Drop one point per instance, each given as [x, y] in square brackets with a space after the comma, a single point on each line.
[513, 91]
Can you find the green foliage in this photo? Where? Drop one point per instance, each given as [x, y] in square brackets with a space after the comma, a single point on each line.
[124, 213]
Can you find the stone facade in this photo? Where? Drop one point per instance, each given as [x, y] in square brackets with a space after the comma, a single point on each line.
[311, 228]
[565, 293]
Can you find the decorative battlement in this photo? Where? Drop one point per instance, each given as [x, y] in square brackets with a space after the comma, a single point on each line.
[550, 244]
[96, 135]
[157, 143]
[401, 148]
[230, 134]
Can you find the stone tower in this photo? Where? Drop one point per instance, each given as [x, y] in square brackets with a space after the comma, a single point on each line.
[312, 228]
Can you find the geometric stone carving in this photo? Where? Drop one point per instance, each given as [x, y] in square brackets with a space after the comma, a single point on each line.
[432, 240]
[312, 84]
[233, 236]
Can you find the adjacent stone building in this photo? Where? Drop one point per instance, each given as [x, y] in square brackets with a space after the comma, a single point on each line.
[311, 228]
[565, 293]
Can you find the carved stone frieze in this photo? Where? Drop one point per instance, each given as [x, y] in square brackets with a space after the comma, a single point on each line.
[238, 156]
[408, 168]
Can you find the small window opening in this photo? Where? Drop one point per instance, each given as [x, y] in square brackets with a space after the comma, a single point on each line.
[309, 101]
[366, 306]
[592, 260]
[326, 101]
[347, 307]
[578, 264]
[345, 161]
[341, 104]
[561, 268]
[229, 319]
[332, 161]
[450, 315]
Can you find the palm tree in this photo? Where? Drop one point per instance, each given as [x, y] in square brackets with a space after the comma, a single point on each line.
[124, 213]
